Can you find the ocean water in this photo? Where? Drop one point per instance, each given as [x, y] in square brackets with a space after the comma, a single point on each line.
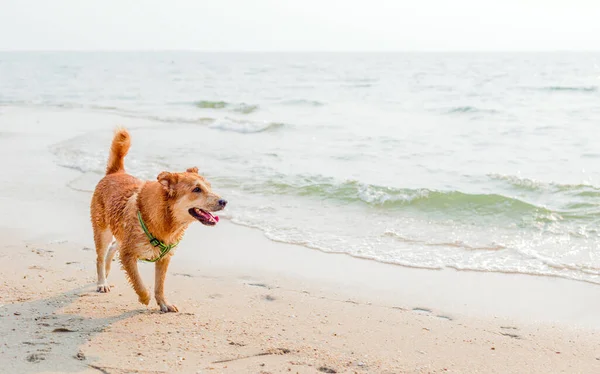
[482, 162]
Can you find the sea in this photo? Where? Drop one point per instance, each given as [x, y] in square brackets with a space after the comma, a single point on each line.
[471, 161]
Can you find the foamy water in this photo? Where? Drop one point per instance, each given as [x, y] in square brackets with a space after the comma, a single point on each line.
[483, 162]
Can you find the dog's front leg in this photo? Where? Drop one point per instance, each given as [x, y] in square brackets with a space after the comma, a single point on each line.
[129, 263]
[160, 273]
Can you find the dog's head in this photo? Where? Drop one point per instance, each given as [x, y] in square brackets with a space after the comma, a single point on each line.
[191, 197]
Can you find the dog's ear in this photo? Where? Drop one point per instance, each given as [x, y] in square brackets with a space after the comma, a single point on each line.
[168, 181]
[193, 170]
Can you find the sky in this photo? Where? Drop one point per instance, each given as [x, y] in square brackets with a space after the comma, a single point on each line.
[300, 25]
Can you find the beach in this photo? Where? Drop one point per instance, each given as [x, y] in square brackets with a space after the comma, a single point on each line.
[248, 303]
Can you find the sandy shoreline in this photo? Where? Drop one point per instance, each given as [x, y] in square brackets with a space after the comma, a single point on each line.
[252, 305]
[54, 321]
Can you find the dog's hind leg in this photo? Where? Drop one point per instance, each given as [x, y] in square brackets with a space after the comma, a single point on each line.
[102, 239]
[112, 249]
[129, 264]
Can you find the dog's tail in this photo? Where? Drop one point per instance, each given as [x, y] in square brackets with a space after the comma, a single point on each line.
[118, 150]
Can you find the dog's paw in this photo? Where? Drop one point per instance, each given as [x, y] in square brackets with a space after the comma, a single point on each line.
[103, 288]
[144, 298]
[166, 308]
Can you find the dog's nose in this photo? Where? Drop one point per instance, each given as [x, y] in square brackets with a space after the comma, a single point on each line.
[223, 202]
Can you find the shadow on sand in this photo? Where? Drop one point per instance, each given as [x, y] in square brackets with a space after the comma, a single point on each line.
[38, 336]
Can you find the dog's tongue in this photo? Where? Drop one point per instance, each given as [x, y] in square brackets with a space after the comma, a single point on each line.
[207, 215]
[211, 217]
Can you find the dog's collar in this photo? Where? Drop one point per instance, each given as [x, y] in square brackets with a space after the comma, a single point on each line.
[164, 249]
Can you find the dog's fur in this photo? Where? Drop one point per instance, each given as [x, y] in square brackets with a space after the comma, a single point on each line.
[166, 206]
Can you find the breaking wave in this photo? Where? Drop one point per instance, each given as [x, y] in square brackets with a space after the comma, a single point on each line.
[245, 127]
[390, 198]
[520, 183]
[242, 108]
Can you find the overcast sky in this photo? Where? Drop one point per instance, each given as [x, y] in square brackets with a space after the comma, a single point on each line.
[300, 25]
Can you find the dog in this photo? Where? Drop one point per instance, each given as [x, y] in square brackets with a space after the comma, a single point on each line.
[146, 218]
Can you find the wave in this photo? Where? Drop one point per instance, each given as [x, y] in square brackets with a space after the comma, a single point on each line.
[238, 108]
[518, 182]
[225, 124]
[121, 112]
[66, 105]
[211, 104]
[245, 108]
[390, 198]
[303, 102]
[546, 267]
[570, 88]
[582, 189]
[165, 119]
[277, 235]
[456, 244]
[245, 127]
[469, 109]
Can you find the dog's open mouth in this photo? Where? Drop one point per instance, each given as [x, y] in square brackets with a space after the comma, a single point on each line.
[206, 218]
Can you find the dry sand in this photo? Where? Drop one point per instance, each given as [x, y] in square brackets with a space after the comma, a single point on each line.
[52, 320]
[249, 305]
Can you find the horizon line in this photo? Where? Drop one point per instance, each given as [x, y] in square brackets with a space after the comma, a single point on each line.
[304, 51]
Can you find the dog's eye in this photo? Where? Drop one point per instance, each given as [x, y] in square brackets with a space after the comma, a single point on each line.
[197, 189]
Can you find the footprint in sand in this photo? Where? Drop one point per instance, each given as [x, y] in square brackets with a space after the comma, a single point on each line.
[258, 285]
[427, 311]
[184, 275]
[421, 310]
[509, 334]
[35, 357]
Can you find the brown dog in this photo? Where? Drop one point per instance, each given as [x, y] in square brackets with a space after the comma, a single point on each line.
[147, 219]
